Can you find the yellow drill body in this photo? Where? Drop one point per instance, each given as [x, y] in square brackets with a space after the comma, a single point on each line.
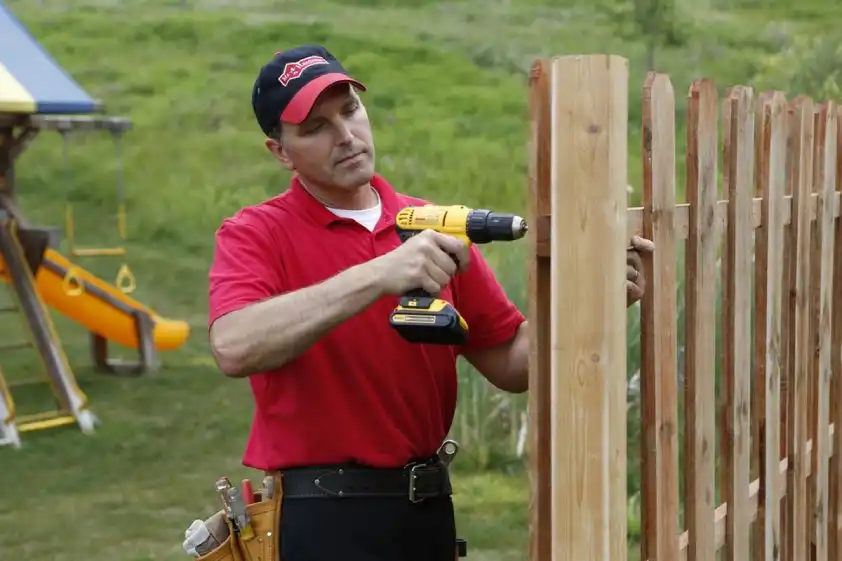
[420, 317]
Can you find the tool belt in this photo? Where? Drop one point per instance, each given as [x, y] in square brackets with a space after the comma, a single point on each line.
[247, 528]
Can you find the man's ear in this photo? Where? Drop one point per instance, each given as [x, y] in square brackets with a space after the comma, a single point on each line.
[277, 149]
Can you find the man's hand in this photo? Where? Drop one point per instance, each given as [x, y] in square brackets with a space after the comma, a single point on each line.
[422, 262]
[635, 277]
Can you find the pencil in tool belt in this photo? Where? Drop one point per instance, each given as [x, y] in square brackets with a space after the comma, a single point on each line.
[237, 513]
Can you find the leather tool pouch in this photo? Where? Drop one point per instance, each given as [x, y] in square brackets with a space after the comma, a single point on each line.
[261, 544]
[228, 551]
[265, 517]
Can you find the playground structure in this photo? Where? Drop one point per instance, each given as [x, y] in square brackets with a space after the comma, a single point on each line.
[760, 477]
[37, 95]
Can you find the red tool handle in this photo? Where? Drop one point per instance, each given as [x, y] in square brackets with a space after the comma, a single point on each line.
[248, 492]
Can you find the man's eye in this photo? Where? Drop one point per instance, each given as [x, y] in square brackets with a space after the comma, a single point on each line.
[351, 108]
[313, 128]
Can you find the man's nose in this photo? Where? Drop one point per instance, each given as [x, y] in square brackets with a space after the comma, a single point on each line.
[343, 132]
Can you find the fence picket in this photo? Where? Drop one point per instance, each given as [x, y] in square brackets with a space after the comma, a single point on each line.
[835, 472]
[826, 185]
[738, 163]
[659, 329]
[771, 177]
[800, 158]
[700, 369]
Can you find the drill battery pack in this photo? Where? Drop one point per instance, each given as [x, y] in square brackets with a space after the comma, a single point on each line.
[421, 318]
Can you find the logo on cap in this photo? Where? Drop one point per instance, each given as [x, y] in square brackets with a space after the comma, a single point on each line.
[293, 70]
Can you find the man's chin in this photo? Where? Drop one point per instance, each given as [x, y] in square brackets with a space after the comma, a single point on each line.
[357, 178]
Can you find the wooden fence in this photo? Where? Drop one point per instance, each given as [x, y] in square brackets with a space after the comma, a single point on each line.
[740, 464]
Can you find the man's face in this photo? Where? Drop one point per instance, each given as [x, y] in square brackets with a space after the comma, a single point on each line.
[333, 147]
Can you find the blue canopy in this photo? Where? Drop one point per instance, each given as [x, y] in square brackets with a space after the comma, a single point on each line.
[31, 81]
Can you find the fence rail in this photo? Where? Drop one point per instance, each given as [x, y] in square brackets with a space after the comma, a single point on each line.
[740, 462]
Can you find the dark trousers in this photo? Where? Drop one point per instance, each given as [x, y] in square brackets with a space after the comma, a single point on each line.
[367, 529]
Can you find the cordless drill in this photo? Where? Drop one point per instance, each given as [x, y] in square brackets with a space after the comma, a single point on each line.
[420, 317]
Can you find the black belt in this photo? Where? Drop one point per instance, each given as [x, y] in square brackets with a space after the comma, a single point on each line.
[415, 482]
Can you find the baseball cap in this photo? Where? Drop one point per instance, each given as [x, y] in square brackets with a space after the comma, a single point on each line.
[287, 86]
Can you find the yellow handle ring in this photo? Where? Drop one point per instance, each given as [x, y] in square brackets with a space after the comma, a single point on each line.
[125, 280]
[71, 278]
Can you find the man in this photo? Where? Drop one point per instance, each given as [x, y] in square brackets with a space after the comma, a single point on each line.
[301, 289]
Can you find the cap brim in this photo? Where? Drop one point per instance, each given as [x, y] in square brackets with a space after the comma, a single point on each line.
[303, 102]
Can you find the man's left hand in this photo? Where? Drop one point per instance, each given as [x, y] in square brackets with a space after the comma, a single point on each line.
[635, 277]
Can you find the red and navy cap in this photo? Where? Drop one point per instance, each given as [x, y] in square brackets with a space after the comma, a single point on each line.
[287, 86]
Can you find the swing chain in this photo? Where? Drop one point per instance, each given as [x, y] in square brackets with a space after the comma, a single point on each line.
[125, 280]
[71, 283]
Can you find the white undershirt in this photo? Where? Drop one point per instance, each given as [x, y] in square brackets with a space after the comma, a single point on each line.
[367, 217]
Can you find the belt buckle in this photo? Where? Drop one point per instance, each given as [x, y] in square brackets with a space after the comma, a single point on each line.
[413, 498]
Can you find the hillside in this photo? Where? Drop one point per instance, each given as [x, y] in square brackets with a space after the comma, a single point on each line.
[448, 102]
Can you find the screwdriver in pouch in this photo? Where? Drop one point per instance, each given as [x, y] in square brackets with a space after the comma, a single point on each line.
[222, 486]
[237, 513]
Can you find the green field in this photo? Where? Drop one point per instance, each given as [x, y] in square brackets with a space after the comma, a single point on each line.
[448, 102]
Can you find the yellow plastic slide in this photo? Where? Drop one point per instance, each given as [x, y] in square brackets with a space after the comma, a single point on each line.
[101, 307]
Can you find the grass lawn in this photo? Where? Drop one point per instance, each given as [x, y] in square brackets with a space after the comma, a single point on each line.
[448, 103]
[129, 491]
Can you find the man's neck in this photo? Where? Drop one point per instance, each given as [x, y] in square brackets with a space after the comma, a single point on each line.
[361, 198]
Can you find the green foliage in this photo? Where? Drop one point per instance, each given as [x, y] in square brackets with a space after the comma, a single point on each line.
[659, 22]
[809, 65]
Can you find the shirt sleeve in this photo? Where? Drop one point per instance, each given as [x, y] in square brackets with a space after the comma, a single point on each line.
[245, 269]
[492, 318]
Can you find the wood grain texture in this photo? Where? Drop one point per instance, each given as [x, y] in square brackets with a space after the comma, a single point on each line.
[801, 160]
[835, 471]
[771, 182]
[738, 173]
[540, 310]
[826, 184]
[589, 166]
[659, 329]
[700, 329]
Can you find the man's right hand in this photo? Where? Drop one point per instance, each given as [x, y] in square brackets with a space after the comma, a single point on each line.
[422, 262]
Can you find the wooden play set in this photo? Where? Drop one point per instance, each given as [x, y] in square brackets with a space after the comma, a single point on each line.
[37, 95]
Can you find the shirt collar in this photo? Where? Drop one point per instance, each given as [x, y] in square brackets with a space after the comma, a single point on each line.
[317, 211]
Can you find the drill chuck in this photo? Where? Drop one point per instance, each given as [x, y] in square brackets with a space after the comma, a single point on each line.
[484, 226]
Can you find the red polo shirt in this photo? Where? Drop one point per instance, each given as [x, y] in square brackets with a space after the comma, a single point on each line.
[361, 393]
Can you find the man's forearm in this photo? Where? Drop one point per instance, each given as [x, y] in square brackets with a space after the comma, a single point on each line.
[506, 365]
[269, 334]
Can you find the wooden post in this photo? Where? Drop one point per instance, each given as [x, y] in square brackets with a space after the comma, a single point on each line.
[589, 108]
[540, 312]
